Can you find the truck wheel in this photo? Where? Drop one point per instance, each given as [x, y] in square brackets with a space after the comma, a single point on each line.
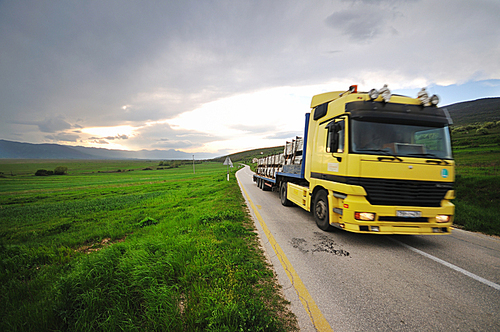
[283, 192]
[264, 187]
[321, 211]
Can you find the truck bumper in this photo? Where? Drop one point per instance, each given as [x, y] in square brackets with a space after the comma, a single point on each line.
[387, 219]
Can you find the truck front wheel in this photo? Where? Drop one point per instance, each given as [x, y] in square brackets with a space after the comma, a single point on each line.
[283, 193]
[321, 212]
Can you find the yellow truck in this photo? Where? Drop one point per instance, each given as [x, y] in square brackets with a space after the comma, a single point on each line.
[369, 162]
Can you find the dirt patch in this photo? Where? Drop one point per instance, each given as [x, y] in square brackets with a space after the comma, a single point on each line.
[300, 244]
[87, 249]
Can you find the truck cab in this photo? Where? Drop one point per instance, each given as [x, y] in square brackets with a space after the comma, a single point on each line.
[380, 163]
[369, 162]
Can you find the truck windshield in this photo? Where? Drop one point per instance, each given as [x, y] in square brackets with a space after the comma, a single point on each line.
[400, 140]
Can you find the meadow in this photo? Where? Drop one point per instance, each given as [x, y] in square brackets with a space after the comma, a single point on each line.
[476, 149]
[122, 245]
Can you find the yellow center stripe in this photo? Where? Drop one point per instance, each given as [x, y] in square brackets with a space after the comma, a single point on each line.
[317, 318]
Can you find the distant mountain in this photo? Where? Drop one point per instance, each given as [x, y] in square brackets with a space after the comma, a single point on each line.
[17, 150]
[480, 110]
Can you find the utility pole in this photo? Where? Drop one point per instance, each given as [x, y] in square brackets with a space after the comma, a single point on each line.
[194, 172]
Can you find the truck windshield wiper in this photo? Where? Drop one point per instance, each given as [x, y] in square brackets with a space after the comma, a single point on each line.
[432, 155]
[383, 151]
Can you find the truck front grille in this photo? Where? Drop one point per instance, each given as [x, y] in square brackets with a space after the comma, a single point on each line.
[404, 192]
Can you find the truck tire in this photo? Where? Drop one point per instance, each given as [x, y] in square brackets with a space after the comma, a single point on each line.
[321, 211]
[264, 187]
[283, 193]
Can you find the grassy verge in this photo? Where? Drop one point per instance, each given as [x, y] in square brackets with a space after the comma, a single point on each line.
[477, 184]
[161, 250]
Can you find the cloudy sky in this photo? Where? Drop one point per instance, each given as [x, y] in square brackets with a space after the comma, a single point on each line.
[225, 76]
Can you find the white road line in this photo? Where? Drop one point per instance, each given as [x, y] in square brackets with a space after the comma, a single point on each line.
[451, 266]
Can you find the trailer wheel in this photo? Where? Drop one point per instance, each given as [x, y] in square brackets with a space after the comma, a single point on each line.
[321, 211]
[264, 187]
[283, 193]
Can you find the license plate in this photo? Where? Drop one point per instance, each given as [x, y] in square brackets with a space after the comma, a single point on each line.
[409, 214]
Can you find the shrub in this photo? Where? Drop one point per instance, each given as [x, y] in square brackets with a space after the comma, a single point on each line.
[489, 125]
[470, 127]
[60, 170]
[482, 131]
[43, 172]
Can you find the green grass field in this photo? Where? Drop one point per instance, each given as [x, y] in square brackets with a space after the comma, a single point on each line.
[141, 250]
[477, 184]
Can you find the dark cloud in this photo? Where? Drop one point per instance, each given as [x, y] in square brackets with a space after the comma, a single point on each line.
[98, 141]
[52, 125]
[358, 25]
[111, 138]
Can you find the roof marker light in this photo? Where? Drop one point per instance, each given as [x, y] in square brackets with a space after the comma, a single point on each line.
[434, 100]
[424, 97]
[386, 93]
[373, 94]
[352, 89]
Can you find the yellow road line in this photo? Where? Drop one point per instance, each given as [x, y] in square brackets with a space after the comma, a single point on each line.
[317, 318]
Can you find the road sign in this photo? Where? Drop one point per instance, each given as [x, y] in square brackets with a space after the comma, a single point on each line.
[228, 162]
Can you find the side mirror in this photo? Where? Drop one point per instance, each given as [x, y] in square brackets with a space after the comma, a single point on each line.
[333, 129]
[334, 140]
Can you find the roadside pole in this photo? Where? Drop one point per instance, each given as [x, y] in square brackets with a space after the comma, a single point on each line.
[229, 163]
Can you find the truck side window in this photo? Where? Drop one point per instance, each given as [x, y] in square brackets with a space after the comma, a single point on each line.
[335, 137]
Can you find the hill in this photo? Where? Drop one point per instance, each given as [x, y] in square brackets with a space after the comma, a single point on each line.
[18, 150]
[247, 156]
[480, 110]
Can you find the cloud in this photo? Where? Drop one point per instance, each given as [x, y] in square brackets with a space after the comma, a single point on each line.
[98, 141]
[63, 137]
[52, 125]
[358, 25]
[111, 138]
[163, 136]
[288, 135]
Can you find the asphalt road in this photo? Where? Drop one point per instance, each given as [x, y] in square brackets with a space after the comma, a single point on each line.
[340, 281]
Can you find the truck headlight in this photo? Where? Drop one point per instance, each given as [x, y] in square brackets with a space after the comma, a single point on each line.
[366, 216]
[442, 218]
